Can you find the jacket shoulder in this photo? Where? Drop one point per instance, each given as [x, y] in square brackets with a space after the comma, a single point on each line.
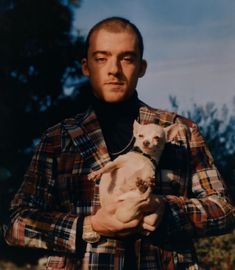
[166, 118]
[158, 116]
[185, 121]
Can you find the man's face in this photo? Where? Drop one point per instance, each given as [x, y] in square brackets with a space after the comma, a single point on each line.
[113, 64]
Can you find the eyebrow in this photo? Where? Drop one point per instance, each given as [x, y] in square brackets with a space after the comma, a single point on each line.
[109, 53]
[100, 52]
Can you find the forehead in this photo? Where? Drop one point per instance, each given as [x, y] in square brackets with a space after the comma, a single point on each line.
[152, 129]
[105, 40]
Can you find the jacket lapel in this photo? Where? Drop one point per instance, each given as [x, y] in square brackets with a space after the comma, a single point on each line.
[88, 138]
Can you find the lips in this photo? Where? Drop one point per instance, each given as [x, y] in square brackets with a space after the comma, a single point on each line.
[115, 83]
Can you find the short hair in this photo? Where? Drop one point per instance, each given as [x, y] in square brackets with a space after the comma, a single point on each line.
[116, 25]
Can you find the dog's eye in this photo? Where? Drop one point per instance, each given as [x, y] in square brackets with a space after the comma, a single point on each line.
[157, 138]
[141, 136]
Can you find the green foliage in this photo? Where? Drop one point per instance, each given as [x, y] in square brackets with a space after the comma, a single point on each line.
[217, 253]
[38, 56]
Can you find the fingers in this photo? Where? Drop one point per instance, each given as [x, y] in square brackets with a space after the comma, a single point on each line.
[148, 227]
[143, 204]
[151, 219]
[150, 223]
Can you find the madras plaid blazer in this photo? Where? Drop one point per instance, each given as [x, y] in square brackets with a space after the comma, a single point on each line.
[56, 195]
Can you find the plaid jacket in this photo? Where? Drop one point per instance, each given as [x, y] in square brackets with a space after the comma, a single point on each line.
[56, 195]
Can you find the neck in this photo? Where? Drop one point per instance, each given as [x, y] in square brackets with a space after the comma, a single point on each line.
[128, 107]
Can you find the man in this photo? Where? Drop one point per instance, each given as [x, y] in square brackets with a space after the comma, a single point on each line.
[58, 209]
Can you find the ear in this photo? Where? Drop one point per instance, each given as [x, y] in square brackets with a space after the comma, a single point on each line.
[171, 132]
[85, 69]
[143, 68]
[136, 127]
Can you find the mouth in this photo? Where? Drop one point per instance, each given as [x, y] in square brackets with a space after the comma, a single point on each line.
[115, 86]
[146, 147]
[114, 83]
[149, 148]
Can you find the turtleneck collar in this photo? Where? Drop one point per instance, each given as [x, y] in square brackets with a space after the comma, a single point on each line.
[107, 110]
[116, 121]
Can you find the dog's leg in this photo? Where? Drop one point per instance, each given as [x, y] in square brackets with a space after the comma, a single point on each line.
[109, 167]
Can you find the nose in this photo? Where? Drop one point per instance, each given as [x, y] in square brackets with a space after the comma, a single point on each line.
[146, 143]
[114, 67]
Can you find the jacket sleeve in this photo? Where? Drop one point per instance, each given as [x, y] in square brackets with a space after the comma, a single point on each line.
[35, 218]
[207, 209]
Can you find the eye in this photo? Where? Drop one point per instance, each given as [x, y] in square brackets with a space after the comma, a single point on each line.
[157, 138]
[141, 136]
[128, 59]
[100, 59]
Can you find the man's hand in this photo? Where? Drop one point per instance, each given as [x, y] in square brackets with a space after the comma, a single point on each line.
[104, 222]
[150, 212]
[154, 212]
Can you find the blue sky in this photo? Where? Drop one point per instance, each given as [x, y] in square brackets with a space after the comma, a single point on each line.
[189, 46]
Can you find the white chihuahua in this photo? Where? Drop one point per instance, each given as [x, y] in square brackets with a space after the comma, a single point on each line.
[132, 176]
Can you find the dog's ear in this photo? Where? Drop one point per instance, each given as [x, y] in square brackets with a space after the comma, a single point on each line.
[171, 132]
[136, 127]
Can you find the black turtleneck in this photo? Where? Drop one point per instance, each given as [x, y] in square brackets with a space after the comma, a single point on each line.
[116, 120]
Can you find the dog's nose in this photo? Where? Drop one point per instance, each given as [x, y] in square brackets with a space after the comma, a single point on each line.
[146, 143]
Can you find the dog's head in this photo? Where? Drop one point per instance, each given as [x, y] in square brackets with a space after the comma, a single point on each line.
[151, 138]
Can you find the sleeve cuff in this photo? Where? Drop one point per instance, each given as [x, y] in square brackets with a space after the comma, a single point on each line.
[80, 243]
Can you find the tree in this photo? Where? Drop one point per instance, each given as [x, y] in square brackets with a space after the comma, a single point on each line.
[40, 59]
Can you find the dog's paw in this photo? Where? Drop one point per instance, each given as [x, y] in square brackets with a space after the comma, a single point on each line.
[93, 176]
[142, 185]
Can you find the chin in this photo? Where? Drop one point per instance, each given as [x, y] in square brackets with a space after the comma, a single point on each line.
[114, 101]
[114, 98]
